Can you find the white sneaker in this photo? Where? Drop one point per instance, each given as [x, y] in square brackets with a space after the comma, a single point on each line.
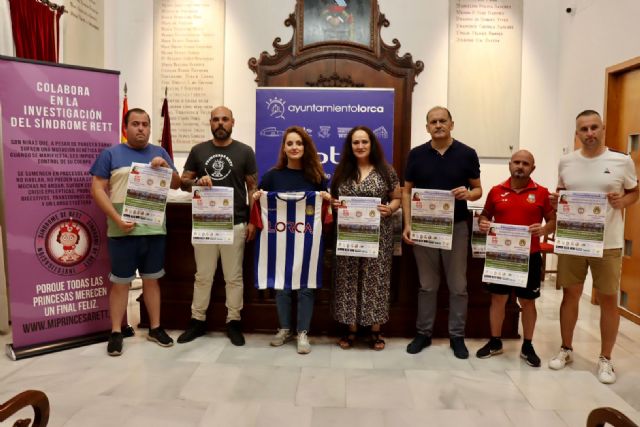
[561, 359]
[303, 343]
[281, 337]
[606, 374]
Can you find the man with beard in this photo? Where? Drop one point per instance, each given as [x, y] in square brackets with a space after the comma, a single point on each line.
[221, 161]
[518, 201]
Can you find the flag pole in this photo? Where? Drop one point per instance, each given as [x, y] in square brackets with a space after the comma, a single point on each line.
[125, 108]
[166, 127]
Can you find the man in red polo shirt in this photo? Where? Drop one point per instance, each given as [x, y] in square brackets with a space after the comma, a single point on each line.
[518, 201]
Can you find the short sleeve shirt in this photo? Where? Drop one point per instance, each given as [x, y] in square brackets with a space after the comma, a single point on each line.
[227, 167]
[611, 171]
[428, 169]
[114, 164]
[526, 207]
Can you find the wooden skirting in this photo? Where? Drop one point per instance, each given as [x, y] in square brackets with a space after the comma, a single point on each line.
[259, 312]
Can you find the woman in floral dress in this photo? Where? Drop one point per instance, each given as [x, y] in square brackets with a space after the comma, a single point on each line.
[361, 294]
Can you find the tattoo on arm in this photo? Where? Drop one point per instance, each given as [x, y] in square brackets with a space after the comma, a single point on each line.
[252, 182]
[252, 185]
[186, 180]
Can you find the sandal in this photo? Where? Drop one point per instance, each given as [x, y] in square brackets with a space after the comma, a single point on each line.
[346, 342]
[376, 342]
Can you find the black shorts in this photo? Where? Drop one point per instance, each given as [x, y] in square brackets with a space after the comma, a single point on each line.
[532, 291]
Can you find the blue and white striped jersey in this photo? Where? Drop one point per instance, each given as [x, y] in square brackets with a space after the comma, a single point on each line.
[289, 243]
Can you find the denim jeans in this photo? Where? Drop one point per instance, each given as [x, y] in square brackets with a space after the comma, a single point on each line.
[305, 308]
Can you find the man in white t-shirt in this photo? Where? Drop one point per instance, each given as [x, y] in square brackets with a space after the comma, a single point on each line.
[595, 168]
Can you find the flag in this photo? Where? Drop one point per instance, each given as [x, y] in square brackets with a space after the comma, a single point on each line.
[125, 108]
[166, 128]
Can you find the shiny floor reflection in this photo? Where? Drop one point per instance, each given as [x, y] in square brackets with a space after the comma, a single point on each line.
[209, 382]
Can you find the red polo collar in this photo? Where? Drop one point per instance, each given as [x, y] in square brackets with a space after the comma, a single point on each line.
[531, 185]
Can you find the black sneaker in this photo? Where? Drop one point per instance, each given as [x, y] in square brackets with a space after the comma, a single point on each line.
[234, 332]
[529, 355]
[492, 348]
[459, 349]
[418, 343]
[159, 336]
[196, 328]
[114, 347]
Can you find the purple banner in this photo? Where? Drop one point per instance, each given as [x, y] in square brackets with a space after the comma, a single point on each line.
[327, 115]
[55, 121]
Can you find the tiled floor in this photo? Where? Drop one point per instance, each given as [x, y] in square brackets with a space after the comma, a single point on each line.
[209, 382]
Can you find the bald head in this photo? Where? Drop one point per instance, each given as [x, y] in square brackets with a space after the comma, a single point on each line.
[221, 109]
[439, 108]
[221, 124]
[523, 154]
[521, 165]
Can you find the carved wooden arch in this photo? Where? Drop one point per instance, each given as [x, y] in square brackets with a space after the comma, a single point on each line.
[345, 64]
[337, 63]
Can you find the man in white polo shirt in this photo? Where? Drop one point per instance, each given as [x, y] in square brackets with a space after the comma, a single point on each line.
[596, 168]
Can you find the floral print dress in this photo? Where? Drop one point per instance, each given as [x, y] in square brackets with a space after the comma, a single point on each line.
[362, 285]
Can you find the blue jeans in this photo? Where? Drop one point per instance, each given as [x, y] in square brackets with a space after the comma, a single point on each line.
[305, 308]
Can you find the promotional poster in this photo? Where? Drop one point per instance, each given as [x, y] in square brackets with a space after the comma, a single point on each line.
[55, 121]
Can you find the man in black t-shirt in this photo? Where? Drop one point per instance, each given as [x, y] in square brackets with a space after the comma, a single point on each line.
[221, 161]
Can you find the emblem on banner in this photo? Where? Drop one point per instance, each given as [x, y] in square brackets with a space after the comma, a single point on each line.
[343, 132]
[271, 132]
[276, 107]
[324, 132]
[381, 132]
[67, 242]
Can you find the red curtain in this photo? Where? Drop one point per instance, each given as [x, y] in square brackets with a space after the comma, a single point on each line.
[36, 29]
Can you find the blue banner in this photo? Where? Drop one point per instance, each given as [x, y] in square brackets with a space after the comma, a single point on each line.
[327, 114]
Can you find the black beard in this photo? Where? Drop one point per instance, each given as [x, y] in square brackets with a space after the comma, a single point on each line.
[221, 134]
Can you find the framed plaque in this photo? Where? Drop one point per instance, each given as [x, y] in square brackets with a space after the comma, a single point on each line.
[188, 42]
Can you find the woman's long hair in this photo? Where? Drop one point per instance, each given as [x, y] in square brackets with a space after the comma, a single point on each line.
[311, 165]
[347, 169]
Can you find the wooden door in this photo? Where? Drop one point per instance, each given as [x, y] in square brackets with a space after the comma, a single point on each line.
[622, 118]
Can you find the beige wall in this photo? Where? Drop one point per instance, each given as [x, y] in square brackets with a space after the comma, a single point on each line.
[563, 61]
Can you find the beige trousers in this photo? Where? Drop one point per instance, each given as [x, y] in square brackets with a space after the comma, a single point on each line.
[206, 263]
